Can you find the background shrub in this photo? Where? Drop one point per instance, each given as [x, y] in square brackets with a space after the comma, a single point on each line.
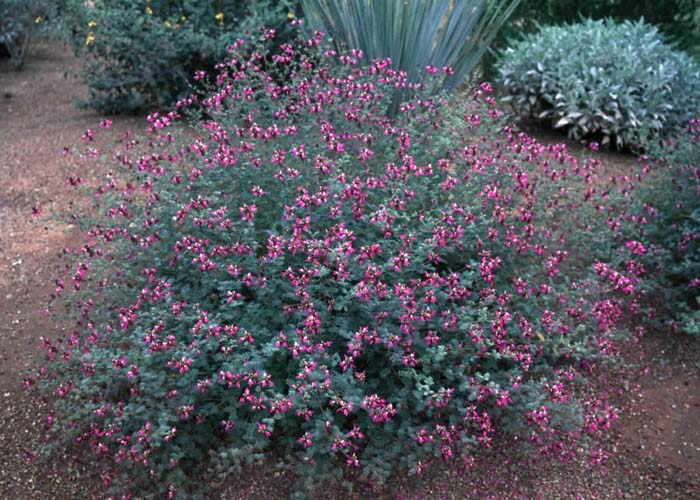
[618, 82]
[360, 294]
[19, 21]
[677, 20]
[143, 54]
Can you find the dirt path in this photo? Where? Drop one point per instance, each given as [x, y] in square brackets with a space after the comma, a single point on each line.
[37, 120]
[657, 438]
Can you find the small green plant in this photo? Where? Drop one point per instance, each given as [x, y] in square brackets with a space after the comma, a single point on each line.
[619, 83]
[140, 55]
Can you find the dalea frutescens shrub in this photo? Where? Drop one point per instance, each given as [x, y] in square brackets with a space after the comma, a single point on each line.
[669, 203]
[141, 55]
[616, 83]
[362, 295]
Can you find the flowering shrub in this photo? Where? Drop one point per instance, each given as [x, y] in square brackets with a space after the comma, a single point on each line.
[570, 77]
[363, 295]
[670, 202]
[142, 54]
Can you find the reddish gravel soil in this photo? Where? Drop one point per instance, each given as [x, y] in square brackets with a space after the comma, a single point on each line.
[656, 441]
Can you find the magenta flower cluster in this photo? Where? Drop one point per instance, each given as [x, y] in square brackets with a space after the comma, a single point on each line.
[299, 272]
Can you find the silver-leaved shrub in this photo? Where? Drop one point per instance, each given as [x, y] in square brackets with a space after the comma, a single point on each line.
[295, 272]
[618, 83]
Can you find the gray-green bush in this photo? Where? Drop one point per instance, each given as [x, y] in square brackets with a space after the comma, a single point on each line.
[620, 83]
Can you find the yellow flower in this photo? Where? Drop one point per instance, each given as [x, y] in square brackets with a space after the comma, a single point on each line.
[183, 18]
[167, 23]
[38, 19]
[219, 16]
[90, 38]
[149, 11]
[290, 15]
[92, 23]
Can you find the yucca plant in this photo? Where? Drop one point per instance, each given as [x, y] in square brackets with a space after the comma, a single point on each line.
[414, 34]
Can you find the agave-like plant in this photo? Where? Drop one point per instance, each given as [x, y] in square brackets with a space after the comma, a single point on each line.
[414, 33]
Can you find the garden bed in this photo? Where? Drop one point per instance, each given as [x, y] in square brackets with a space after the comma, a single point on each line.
[656, 440]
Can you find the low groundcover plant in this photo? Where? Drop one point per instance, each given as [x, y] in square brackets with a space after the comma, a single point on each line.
[363, 295]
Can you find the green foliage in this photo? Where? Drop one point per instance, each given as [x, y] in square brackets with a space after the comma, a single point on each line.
[670, 201]
[678, 20]
[143, 54]
[19, 21]
[297, 272]
[599, 79]
[414, 34]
